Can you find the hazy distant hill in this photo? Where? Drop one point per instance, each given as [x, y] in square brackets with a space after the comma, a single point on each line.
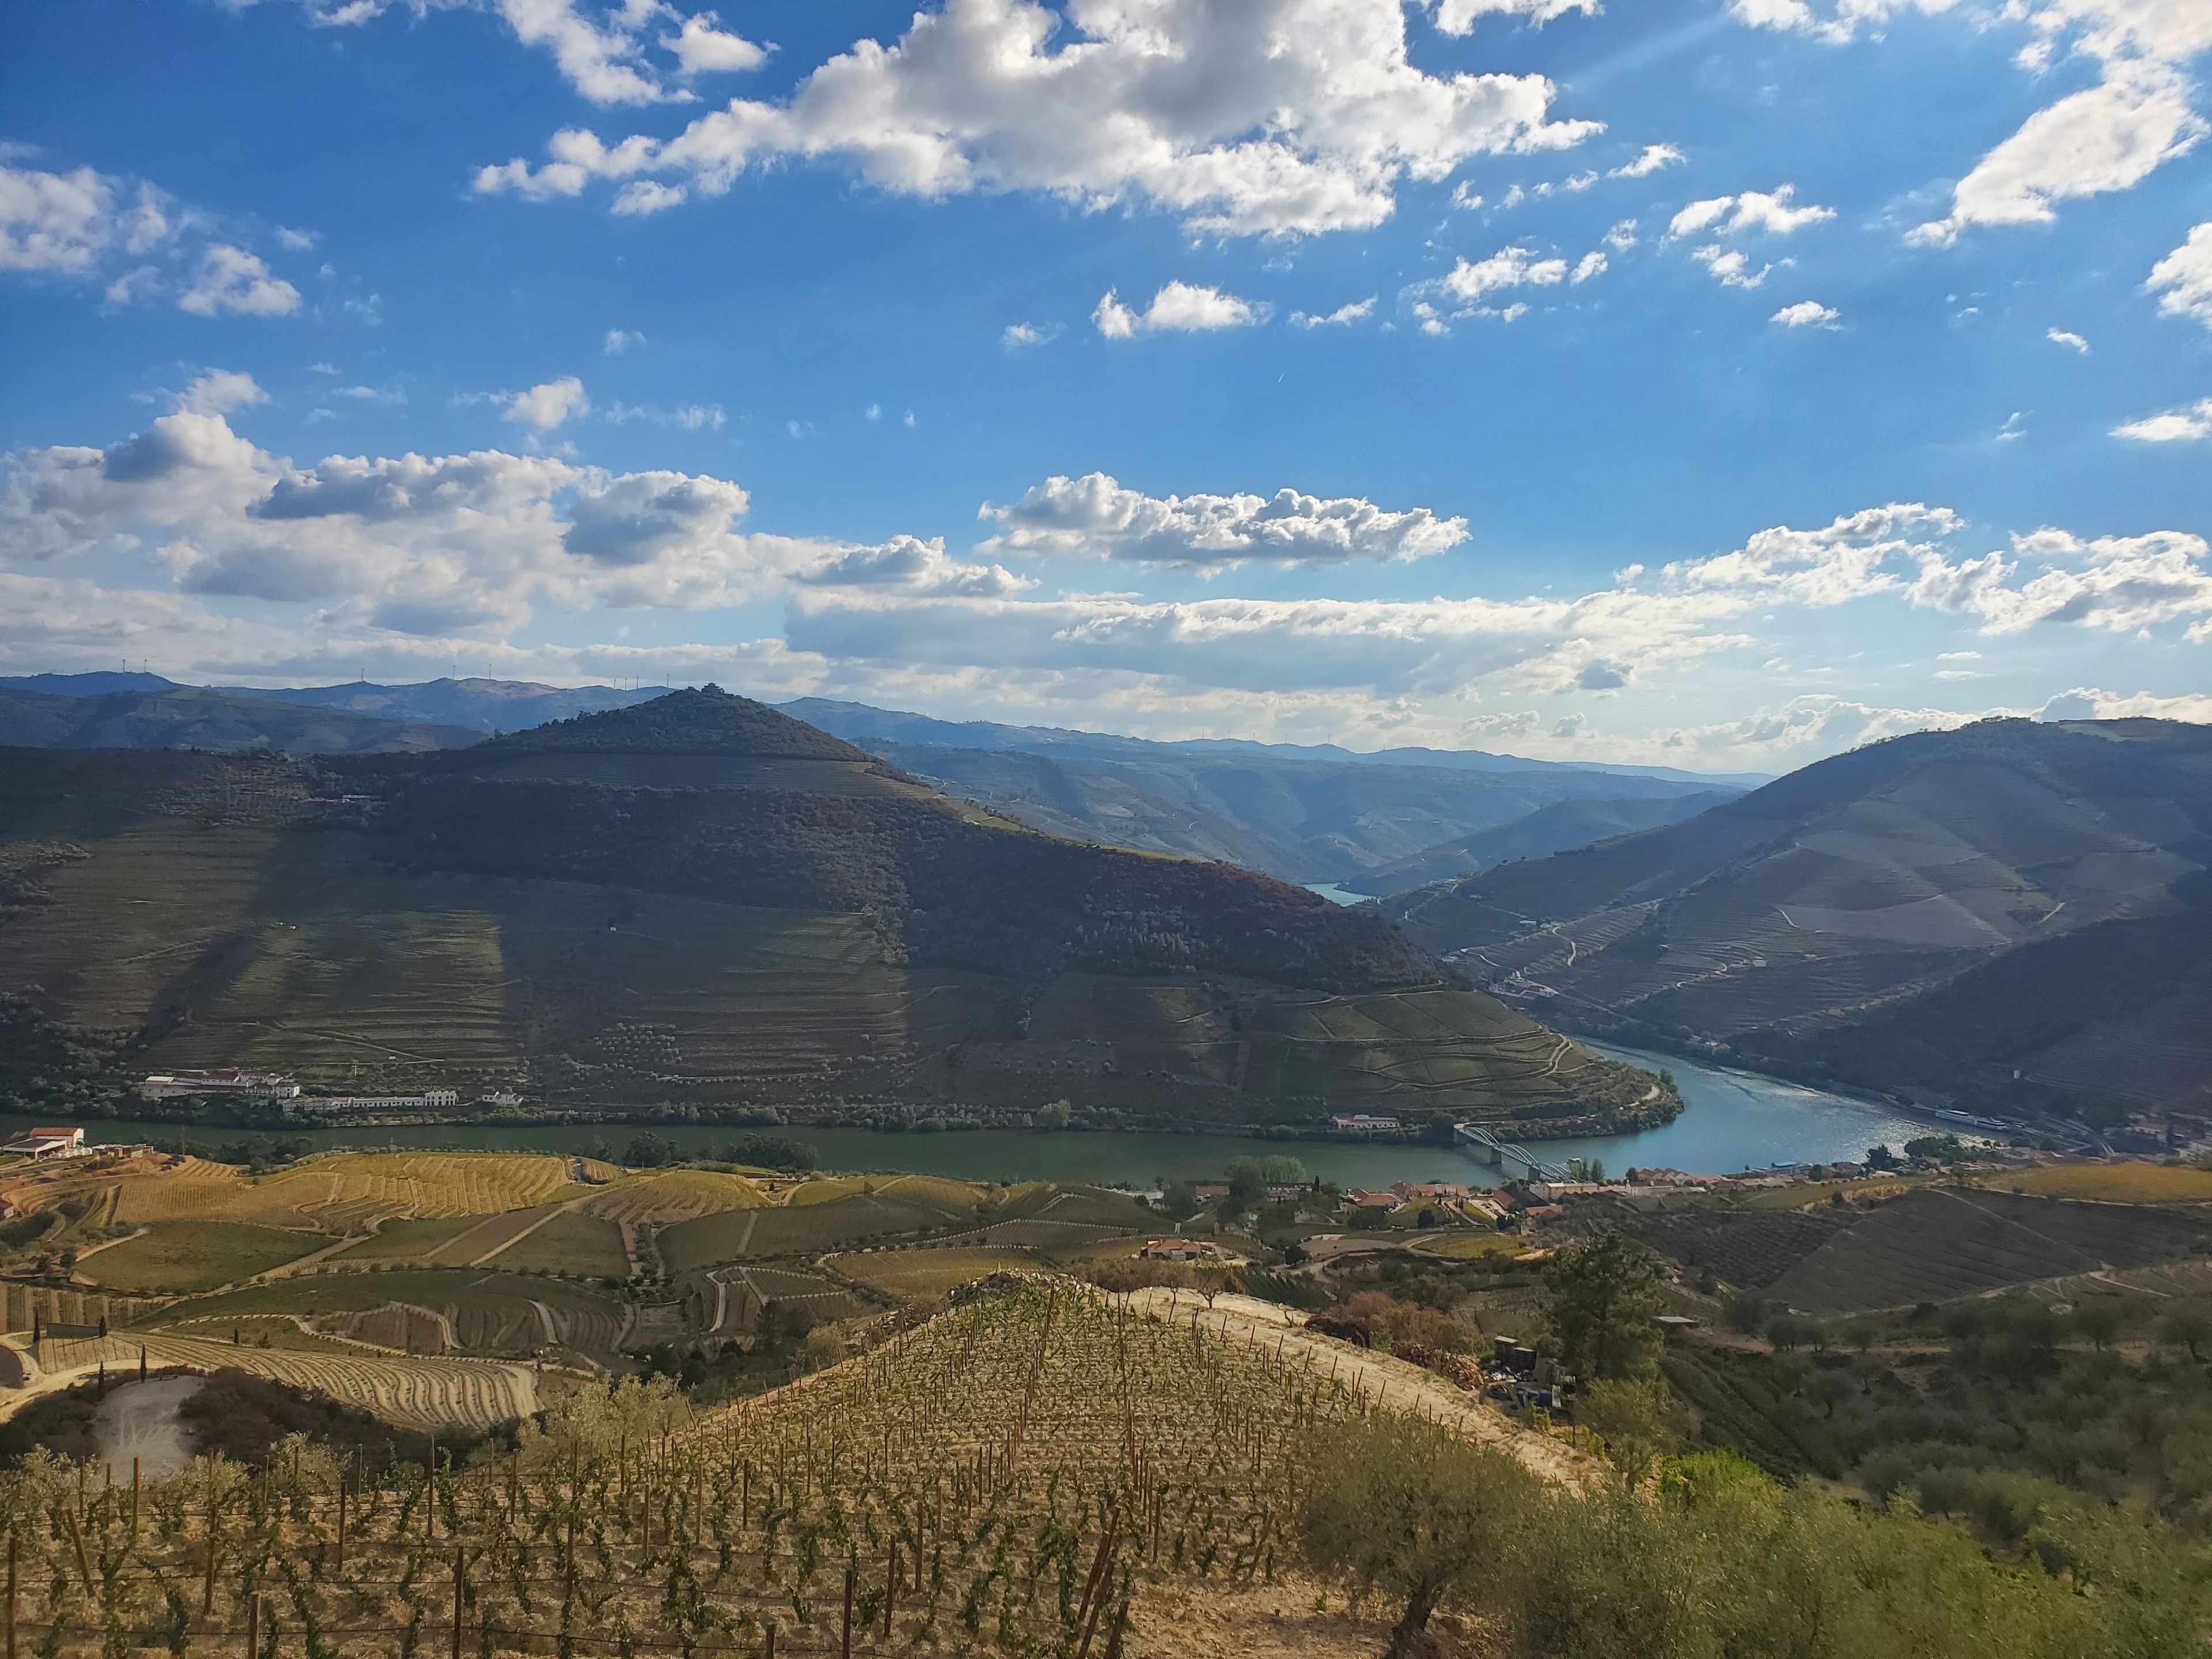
[1552, 829]
[190, 717]
[1937, 911]
[700, 900]
[866, 726]
[1300, 813]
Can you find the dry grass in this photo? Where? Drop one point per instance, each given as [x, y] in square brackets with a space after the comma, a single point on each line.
[673, 1196]
[922, 1276]
[2113, 1184]
[342, 1192]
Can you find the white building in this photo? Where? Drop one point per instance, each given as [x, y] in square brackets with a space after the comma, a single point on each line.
[432, 1100]
[228, 1080]
[48, 1143]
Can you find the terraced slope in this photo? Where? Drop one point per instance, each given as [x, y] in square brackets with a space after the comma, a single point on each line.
[1941, 911]
[698, 899]
[1935, 1243]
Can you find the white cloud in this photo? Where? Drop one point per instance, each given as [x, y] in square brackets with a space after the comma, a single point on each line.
[2085, 703]
[1654, 157]
[2013, 427]
[63, 223]
[547, 404]
[1590, 265]
[416, 545]
[82, 224]
[2175, 425]
[1622, 236]
[296, 241]
[1357, 310]
[1459, 16]
[620, 340]
[1806, 313]
[1307, 115]
[602, 60]
[2120, 584]
[702, 49]
[229, 279]
[691, 417]
[1731, 266]
[1095, 517]
[2068, 339]
[1471, 281]
[2183, 280]
[1018, 335]
[1754, 211]
[1178, 308]
[220, 390]
[2108, 137]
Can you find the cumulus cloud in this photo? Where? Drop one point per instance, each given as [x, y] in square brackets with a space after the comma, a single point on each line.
[2068, 339]
[2120, 584]
[1592, 264]
[1754, 211]
[1459, 16]
[416, 545]
[1725, 218]
[2110, 136]
[1095, 517]
[1357, 310]
[87, 224]
[702, 49]
[1018, 335]
[229, 279]
[1179, 308]
[1306, 117]
[2175, 425]
[1654, 157]
[2183, 280]
[1806, 313]
[620, 340]
[2087, 703]
[546, 405]
[219, 391]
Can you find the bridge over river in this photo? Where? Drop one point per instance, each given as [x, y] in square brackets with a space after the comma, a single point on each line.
[1503, 1155]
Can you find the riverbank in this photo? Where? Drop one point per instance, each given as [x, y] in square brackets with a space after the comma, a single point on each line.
[1731, 1120]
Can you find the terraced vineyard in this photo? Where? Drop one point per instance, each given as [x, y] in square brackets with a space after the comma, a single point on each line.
[1932, 1244]
[475, 1395]
[1016, 1474]
[478, 1310]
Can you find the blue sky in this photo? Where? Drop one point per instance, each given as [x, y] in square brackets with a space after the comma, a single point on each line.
[1714, 384]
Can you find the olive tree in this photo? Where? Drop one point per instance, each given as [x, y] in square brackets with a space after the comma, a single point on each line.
[1401, 1507]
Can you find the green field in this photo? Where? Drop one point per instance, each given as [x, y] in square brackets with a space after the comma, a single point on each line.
[923, 1276]
[583, 1246]
[490, 1312]
[407, 1240]
[739, 1235]
[183, 1258]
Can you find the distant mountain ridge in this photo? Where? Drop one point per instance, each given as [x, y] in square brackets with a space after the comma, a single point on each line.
[1301, 814]
[189, 717]
[1551, 828]
[699, 903]
[2011, 917]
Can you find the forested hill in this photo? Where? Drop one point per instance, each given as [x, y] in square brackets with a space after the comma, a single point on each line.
[699, 900]
[1937, 912]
